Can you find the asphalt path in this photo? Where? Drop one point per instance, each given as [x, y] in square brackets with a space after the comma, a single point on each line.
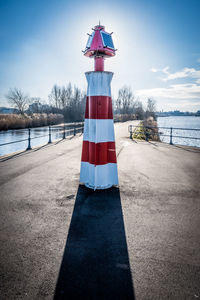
[140, 240]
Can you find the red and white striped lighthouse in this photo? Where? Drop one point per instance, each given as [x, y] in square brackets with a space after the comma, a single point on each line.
[98, 162]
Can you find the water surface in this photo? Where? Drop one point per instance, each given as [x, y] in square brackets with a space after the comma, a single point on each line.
[189, 122]
[39, 136]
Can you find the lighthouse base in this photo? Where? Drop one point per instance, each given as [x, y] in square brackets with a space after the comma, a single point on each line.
[98, 177]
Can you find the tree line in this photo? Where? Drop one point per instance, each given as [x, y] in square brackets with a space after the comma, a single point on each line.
[128, 105]
[70, 102]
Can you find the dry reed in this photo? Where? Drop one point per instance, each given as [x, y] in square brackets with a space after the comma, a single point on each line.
[14, 121]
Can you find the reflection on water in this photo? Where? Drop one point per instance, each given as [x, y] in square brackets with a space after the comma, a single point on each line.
[39, 136]
[180, 122]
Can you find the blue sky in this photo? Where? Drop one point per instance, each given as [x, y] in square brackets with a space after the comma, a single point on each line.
[158, 47]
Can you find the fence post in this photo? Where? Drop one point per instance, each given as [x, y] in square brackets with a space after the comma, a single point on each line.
[29, 140]
[131, 133]
[49, 135]
[64, 132]
[74, 130]
[171, 136]
[146, 134]
[82, 128]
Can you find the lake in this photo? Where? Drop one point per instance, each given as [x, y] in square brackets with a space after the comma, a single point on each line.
[189, 122]
[39, 136]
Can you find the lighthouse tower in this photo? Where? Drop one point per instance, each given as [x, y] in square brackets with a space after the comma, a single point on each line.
[98, 161]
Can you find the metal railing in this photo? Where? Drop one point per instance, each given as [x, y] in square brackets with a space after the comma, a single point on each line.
[76, 128]
[151, 131]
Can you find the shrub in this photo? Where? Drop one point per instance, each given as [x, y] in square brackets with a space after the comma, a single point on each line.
[147, 130]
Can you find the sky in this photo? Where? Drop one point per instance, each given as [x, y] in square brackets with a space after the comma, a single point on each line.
[158, 44]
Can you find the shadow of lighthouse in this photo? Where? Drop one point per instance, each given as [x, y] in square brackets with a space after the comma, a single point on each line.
[95, 262]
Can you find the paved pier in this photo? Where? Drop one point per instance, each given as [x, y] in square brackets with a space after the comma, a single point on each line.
[61, 240]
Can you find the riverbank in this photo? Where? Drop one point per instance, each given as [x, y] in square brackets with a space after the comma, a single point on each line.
[155, 233]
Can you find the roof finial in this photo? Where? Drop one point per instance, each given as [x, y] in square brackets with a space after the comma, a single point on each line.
[99, 23]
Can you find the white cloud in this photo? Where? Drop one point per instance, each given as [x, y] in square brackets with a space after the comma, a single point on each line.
[184, 73]
[198, 81]
[164, 70]
[175, 91]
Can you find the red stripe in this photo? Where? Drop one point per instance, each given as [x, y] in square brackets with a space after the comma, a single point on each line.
[99, 154]
[98, 107]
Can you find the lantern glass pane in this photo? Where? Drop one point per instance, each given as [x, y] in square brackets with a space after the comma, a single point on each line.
[107, 40]
[89, 42]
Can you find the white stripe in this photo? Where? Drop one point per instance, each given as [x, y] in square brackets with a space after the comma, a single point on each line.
[98, 130]
[99, 83]
[98, 177]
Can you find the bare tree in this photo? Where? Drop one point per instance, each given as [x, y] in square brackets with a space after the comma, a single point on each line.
[54, 96]
[138, 110]
[18, 99]
[63, 97]
[76, 103]
[69, 101]
[69, 93]
[125, 100]
[118, 104]
[151, 108]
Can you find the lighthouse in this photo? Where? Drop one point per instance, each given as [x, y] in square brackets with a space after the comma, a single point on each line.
[98, 160]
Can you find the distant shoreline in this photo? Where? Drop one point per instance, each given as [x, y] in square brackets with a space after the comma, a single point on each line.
[178, 116]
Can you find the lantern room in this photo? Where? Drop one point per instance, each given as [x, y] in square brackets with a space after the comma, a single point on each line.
[99, 46]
